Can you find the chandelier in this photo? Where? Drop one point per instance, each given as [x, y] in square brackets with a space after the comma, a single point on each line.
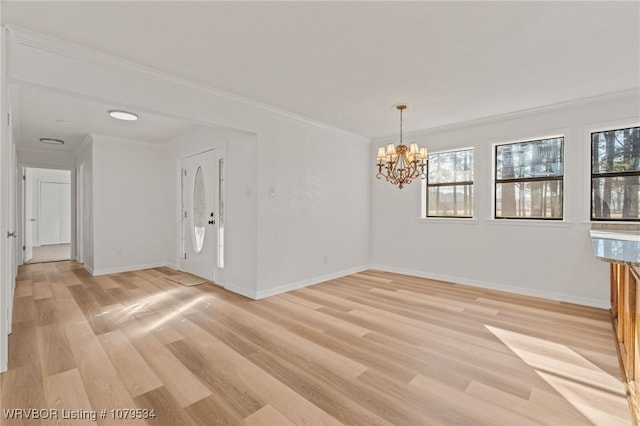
[403, 163]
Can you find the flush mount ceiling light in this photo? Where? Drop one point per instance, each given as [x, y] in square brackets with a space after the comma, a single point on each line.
[51, 141]
[402, 163]
[123, 115]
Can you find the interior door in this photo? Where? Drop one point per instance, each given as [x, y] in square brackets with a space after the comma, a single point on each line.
[29, 216]
[199, 206]
[48, 213]
[54, 213]
[65, 213]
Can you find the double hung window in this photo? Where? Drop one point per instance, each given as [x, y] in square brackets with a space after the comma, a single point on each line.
[529, 179]
[615, 174]
[450, 184]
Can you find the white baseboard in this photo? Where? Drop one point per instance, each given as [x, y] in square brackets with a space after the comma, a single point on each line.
[172, 266]
[88, 269]
[251, 294]
[494, 286]
[311, 281]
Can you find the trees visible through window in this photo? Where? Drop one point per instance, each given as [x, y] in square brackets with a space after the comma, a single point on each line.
[529, 179]
[615, 174]
[450, 184]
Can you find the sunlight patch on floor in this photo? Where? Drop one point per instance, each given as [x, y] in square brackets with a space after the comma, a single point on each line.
[169, 316]
[146, 303]
[593, 392]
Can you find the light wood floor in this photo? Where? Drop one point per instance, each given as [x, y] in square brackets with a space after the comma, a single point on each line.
[369, 349]
[50, 253]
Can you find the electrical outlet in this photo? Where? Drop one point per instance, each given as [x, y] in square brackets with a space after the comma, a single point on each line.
[325, 258]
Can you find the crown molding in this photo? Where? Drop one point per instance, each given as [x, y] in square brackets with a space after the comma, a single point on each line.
[517, 114]
[83, 144]
[86, 140]
[63, 48]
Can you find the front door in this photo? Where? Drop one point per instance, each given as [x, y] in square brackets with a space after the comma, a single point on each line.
[199, 206]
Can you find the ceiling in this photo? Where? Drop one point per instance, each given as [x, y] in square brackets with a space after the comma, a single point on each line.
[347, 63]
[47, 114]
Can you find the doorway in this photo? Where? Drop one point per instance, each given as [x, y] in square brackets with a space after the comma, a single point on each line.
[202, 215]
[46, 215]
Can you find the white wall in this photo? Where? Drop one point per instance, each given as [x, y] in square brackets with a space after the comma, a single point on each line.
[548, 259]
[319, 175]
[46, 158]
[129, 201]
[241, 227]
[6, 168]
[313, 204]
[85, 164]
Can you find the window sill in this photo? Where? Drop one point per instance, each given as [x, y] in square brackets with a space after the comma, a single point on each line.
[449, 220]
[612, 222]
[529, 222]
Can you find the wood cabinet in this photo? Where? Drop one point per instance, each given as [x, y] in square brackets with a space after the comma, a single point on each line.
[625, 310]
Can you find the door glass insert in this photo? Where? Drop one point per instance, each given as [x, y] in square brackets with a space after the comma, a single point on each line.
[199, 213]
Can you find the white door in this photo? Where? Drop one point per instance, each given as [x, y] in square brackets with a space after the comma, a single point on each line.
[80, 215]
[54, 213]
[199, 206]
[29, 215]
[65, 213]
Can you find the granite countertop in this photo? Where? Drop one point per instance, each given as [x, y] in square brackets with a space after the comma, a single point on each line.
[617, 246]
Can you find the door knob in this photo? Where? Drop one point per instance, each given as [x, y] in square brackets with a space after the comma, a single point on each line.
[12, 234]
[211, 222]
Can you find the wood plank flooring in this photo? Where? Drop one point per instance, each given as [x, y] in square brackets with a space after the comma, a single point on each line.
[50, 253]
[372, 348]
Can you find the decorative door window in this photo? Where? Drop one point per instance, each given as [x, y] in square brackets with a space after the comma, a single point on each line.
[199, 211]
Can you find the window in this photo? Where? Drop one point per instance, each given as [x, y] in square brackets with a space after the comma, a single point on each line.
[450, 184]
[529, 179]
[615, 174]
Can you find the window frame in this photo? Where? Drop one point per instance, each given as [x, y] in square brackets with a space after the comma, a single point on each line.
[426, 186]
[593, 175]
[497, 181]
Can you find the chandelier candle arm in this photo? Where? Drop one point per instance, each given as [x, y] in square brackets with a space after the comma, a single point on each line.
[403, 163]
[423, 154]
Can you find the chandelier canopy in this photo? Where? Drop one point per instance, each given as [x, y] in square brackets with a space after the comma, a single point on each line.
[400, 165]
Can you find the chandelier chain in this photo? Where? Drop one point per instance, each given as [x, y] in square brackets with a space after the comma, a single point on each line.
[401, 127]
